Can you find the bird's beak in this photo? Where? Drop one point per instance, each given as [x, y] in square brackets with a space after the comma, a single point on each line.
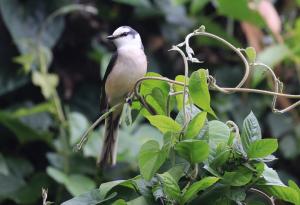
[111, 37]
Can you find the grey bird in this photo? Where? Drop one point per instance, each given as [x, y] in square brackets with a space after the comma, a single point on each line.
[127, 65]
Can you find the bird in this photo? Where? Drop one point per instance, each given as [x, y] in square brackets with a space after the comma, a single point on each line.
[127, 65]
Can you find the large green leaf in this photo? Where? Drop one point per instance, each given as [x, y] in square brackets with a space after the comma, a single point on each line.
[262, 148]
[271, 177]
[170, 186]
[164, 123]
[23, 132]
[192, 191]
[251, 131]
[284, 193]
[194, 151]
[76, 184]
[23, 20]
[199, 92]
[239, 10]
[151, 157]
[195, 125]
[218, 133]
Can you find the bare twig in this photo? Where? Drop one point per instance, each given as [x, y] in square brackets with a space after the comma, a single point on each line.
[212, 81]
[264, 195]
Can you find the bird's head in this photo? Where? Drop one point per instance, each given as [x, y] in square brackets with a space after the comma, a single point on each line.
[126, 36]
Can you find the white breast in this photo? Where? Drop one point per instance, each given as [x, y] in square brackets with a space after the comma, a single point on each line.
[130, 66]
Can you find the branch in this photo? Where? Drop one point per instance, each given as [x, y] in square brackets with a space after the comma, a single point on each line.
[263, 194]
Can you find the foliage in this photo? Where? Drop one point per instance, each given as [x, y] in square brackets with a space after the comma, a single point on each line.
[47, 104]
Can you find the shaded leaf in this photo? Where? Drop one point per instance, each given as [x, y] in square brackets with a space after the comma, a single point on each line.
[262, 148]
[194, 151]
[196, 187]
[240, 177]
[251, 131]
[151, 157]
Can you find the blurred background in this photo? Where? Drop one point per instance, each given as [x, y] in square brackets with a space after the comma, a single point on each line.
[53, 54]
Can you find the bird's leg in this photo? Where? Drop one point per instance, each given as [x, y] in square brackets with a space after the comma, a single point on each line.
[128, 100]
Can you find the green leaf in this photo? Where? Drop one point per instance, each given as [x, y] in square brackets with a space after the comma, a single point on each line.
[138, 201]
[262, 148]
[191, 110]
[240, 177]
[195, 125]
[251, 131]
[196, 187]
[91, 198]
[108, 186]
[150, 159]
[251, 54]
[47, 82]
[270, 56]
[164, 123]
[220, 159]
[38, 108]
[197, 6]
[239, 10]
[78, 184]
[26, 60]
[135, 3]
[23, 132]
[199, 92]
[120, 202]
[177, 171]
[158, 101]
[271, 177]
[3, 166]
[170, 186]
[78, 124]
[284, 193]
[218, 133]
[9, 185]
[194, 151]
[57, 175]
[24, 20]
[148, 85]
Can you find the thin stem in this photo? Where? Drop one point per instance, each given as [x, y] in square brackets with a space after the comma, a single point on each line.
[224, 90]
[236, 50]
[186, 72]
[84, 137]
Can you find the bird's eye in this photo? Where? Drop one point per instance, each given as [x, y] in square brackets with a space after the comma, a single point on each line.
[124, 34]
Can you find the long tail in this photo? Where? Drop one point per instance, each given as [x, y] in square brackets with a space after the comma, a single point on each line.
[108, 155]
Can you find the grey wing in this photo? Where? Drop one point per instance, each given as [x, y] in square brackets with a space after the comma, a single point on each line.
[111, 64]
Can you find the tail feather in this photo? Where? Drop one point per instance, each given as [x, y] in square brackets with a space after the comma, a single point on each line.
[109, 147]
